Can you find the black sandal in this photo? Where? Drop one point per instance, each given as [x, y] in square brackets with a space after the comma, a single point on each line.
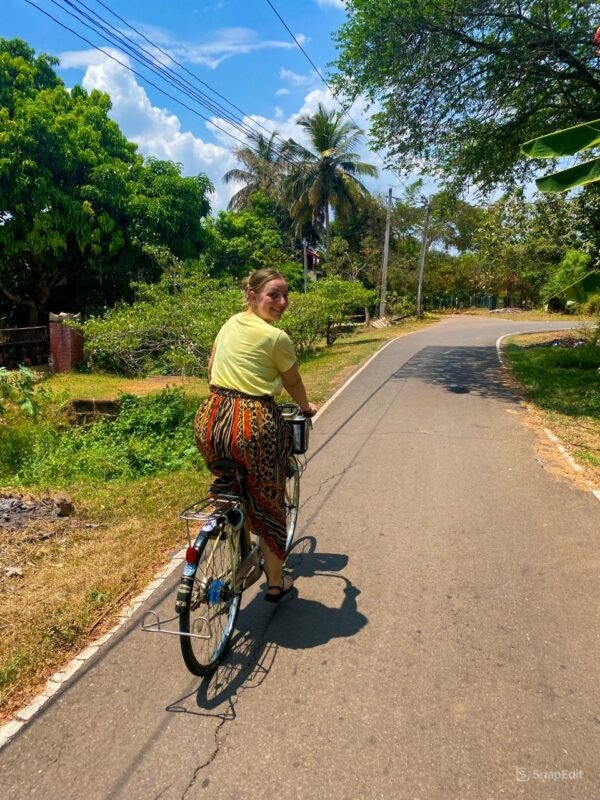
[281, 592]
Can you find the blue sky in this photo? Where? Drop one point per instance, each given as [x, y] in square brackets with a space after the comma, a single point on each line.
[239, 48]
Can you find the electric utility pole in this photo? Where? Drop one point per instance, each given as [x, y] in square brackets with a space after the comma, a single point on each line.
[386, 254]
[422, 260]
[305, 265]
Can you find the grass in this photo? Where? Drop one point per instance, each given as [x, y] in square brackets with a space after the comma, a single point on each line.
[563, 384]
[75, 580]
[94, 386]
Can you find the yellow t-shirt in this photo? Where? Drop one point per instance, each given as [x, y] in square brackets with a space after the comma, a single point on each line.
[250, 355]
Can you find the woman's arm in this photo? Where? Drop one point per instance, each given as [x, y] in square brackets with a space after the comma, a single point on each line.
[211, 359]
[294, 386]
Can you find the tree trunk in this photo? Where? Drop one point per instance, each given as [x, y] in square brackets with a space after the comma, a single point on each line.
[327, 231]
[33, 316]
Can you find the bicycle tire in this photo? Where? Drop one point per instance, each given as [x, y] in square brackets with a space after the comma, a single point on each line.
[292, 501]
[210, 607]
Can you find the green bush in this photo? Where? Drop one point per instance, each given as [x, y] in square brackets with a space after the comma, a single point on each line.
[169, 330]
[16, 388]
[151, 435]
[306, 320]
[574, 265]
[17, 440]
[328, 302]
[592, 306]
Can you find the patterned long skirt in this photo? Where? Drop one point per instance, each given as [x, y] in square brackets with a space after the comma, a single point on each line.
[251, 431]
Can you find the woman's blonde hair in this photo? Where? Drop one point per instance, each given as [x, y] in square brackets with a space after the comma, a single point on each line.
[255, 281]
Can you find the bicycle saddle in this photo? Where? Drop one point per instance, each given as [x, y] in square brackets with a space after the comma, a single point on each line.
[228, 465]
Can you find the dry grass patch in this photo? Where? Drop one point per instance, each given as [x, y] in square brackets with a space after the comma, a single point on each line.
[94, 386]
[74, 582]
[525, 316]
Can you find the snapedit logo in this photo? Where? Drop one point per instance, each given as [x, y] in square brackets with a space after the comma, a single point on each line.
[524, 775]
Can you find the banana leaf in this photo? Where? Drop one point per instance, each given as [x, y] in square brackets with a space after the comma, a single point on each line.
[565, 142]
[570, 178]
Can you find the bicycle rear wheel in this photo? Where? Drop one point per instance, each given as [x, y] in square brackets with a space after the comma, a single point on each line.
[292, 500]
[211, 607]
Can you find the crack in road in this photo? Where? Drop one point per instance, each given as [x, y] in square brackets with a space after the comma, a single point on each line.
[325, 482]
[209, 761]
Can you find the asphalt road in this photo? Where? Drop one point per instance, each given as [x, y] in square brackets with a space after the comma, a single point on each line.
[443, 644]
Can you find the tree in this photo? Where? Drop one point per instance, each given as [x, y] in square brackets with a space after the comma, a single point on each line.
[265, 166]
[573, 267]
[462, 84]
[521, 243]
[240, 241]
[78, 205]
[326, 176]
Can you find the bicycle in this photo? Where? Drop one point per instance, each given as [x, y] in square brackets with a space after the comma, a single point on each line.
[223, 559]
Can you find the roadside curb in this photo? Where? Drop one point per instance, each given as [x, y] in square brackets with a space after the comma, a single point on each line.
[553, 438]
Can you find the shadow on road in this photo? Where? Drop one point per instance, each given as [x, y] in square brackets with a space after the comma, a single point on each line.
[461, 370]
[262, 629]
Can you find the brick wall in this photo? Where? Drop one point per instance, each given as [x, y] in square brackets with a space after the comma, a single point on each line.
[66, 347]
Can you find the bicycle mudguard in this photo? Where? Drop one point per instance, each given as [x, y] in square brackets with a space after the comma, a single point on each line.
[189, 570]
[185, 588]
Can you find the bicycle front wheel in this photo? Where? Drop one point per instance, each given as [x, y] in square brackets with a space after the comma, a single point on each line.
[292, 500]
[211, 607]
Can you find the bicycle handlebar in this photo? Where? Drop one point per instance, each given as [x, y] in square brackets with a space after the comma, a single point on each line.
[291, 410]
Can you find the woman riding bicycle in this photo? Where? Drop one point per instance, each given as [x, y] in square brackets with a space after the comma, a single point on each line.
[250, 363]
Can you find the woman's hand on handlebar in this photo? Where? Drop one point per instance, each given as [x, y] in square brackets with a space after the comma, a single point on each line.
[310, 411]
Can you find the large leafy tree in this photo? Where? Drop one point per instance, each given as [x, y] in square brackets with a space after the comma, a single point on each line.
[462, 83]
[521, 243]
[240, 241]
[326, 176]
[79, 208]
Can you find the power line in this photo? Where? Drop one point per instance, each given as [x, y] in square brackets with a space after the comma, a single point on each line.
[213, 106]
[311, 62]
[333, 94]
[182, 66]
[150, 62]
[135, 72]
[164, 73]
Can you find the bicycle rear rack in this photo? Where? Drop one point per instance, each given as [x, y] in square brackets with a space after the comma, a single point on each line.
[198, 514]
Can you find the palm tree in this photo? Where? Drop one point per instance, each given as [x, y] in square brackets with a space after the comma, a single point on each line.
[325, 176]
[264, 169]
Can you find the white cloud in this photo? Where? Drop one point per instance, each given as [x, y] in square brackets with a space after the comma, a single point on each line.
[220, 45]
[281, 92]
[295, 79]
[341, 4]
[157, 132]
[81, 59]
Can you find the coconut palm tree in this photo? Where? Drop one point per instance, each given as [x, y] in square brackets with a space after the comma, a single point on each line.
[326, 175]
[264, 169]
